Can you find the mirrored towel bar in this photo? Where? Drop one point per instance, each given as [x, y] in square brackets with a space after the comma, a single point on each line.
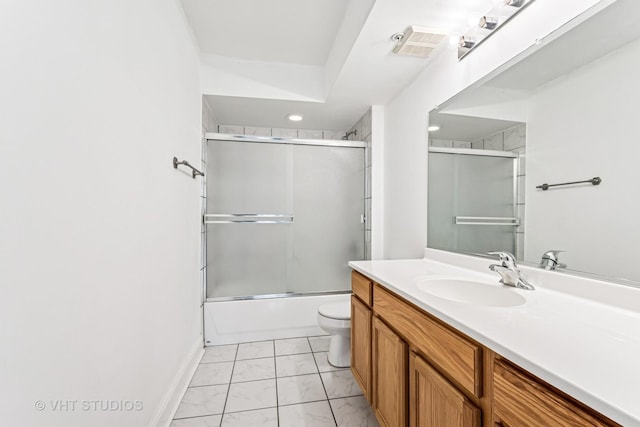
[195, 172]
[595, 181]
[248, 218]
[486, 220]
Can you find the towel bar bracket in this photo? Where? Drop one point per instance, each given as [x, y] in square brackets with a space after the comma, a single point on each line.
[194, 172]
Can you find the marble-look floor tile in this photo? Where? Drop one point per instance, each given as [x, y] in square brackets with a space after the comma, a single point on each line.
[300, 389]
[251, 395]
[208, 421]
[292, 346]
[295, 364]
[315, 414]
[320, 343]
[255, 350]
[353, 412]
[323, 362]
[212, 374]
[340, 384]
[261, 417]
[207, 400]
[254, 369]
[220, 353]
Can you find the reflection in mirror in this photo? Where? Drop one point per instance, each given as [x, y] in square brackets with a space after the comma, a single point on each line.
[473, 193]
[569, 107]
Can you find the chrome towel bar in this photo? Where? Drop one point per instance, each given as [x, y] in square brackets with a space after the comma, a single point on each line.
[195, 172]
[595, 181]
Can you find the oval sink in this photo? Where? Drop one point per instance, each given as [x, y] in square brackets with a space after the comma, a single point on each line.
[471, 292]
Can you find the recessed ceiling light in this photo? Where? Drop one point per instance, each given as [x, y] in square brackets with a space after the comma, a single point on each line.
[294, 117]
[433, 128]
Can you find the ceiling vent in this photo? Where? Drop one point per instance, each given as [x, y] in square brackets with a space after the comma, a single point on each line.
[417, 41]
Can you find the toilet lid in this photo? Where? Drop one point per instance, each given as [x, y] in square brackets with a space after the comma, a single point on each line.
[337, 310]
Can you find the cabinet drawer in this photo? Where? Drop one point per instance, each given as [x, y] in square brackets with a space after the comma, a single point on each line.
[522, 400]
[454, 354]
[362, 287]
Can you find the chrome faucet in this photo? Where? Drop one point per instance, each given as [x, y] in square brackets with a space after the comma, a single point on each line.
[550, 260]
[509, 271]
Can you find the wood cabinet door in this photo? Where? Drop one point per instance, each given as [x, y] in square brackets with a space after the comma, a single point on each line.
[389, 375]
[434, 402]
[361, 345]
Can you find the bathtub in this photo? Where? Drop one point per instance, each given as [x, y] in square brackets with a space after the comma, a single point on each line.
[232, 322]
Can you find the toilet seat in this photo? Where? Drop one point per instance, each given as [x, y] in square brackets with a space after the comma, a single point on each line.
[334, 325]
[336, 310]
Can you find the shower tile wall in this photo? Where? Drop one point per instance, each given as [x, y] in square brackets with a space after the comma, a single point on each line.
[513, 140]
[443, 143]
[363, 133]
[280, 132]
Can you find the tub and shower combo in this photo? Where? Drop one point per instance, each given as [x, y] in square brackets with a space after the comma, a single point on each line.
[281, 220]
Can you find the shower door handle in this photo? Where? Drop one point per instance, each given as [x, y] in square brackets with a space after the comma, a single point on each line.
[486, 220]
[248, 218]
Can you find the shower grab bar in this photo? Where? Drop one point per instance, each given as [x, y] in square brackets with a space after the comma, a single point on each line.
[486, 220]
[195, 172]
[595, 181]
[243, 218]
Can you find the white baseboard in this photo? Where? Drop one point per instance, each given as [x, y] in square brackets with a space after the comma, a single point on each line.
[173, 396]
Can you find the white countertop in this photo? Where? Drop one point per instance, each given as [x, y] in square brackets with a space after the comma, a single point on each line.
[564, 333]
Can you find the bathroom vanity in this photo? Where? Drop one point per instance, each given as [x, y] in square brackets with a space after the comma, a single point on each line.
[549, 357]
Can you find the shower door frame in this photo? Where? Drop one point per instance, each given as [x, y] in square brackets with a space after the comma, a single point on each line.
[488, 153]
[214, 136]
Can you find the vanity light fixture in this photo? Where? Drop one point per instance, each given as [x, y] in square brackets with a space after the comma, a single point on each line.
[488, 23]
[295, 117]
[433, 128]
[515, 3]
[482, 27]
[466, 42]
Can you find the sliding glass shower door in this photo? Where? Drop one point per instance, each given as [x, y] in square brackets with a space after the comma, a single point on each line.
[282, 218]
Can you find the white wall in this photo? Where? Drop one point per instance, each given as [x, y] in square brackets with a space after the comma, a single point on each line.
[581, 126]
[99, 242]
[406, 117]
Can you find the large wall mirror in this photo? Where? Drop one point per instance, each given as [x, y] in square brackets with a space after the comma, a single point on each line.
[566, 110]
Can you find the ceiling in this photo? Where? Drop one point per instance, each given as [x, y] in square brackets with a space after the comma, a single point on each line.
[272, 113]
[290, 31]
[343, 46]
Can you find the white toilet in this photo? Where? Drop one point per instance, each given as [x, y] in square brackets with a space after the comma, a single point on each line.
[335, 318]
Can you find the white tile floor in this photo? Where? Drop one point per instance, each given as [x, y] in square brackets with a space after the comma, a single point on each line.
[279, 383]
